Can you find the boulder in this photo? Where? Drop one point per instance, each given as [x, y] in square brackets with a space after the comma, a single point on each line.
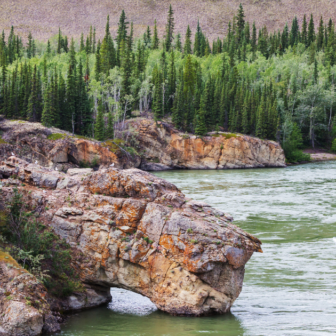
[139, 232]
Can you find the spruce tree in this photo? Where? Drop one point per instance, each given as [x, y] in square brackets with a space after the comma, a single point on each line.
[245, 116]
[294, 33]
[178, 109]
[171, 81]
[320, 35]
[187, 43]
[315, 72]
[81, 45]
[304, 34]
[155, 43]
[254, 39]
[32, 112]
[169, 35]
[126, 81]
[178, 44]
[240, 23]
[201, 128]
[311, 31]
[99, 129]
[59, 41]
[197, 43]
[121, 35]
[157, 105]
[110, 127]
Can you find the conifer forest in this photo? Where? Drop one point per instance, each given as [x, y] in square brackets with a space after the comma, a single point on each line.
[272, 85]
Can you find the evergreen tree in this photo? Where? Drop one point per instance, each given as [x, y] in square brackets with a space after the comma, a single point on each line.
[169, 36]
[121, 35]
[148, 37]
[197, 44]
[99, 130]
[311, 31]
[59, 41]
[33, 105]
[157, 105]
[178, 44]
[294, 34]
[304, 34]
[126, 81]
[82, 46]
[155, 43]
[315, 72]
[49, 116]
[110, 127]
[254, 38]
[320, 35]
[178, 110]
[240, 23]
[171, 81]
[187, 43]
[201, 128]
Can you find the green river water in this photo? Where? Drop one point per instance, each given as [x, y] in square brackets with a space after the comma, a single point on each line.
[290, 289]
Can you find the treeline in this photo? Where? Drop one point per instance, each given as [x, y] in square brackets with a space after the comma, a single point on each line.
[277, 85]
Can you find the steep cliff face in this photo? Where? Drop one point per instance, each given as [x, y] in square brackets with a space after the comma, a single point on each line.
[139, 232]
[161, 147]
[164, 147]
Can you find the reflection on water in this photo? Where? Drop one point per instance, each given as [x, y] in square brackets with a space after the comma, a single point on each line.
[290, 289]
[105, 322]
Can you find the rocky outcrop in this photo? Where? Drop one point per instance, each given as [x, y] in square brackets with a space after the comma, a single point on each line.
[52, 147]
[164, 147]
[139, 232]
[161, 146]
[24, 307]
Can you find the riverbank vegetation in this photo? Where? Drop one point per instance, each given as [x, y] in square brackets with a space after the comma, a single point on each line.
[272, 85]
[36, 248]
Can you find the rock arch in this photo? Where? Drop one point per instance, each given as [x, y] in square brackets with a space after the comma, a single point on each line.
[139, 232]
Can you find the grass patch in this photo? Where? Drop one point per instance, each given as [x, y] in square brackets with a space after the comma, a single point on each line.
[2, 141]
[81, 137]
[229, 135]
[114, 145]
[56, 136]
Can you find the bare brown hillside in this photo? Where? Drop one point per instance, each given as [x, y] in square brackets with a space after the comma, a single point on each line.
[74, 16]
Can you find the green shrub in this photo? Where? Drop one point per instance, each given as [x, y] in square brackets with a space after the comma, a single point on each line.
[39, 250]
[333, 146]
[2, 141]
[88, 164]
[292, 146]
[56, 136]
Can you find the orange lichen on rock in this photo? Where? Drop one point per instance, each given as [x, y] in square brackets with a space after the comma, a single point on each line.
[139, 232]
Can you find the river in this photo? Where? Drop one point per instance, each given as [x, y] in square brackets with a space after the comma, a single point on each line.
[290, 289]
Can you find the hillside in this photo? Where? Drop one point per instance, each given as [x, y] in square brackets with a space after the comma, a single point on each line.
[43, 18]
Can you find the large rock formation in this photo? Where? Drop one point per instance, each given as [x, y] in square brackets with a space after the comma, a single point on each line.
[52, 147]
[139, 232]
[164, 147]
[161, 147]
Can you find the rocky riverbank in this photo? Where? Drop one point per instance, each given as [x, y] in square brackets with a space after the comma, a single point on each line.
[149, 146]
[128, 229]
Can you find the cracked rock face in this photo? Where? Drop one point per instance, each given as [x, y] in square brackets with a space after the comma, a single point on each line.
[139, 232]
[166, 148]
